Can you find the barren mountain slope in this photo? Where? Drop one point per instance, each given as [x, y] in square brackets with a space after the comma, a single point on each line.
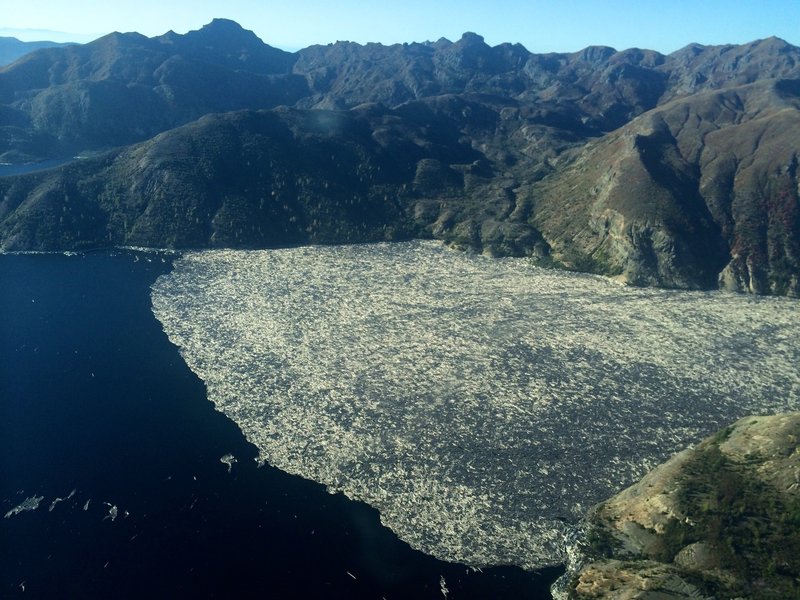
[700, 190]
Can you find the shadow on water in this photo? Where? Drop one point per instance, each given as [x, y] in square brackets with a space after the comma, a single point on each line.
[94, 398]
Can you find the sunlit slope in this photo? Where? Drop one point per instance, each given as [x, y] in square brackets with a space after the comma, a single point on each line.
[698, 192]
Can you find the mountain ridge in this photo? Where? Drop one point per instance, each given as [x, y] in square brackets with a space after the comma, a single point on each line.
[660, 169]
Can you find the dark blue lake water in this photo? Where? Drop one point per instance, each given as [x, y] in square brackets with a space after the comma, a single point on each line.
[94, 398]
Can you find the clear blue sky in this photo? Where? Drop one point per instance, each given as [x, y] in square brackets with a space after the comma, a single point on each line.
[541, 26]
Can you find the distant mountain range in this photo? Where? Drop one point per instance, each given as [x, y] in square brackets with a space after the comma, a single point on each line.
[672, 170]
[11, 48]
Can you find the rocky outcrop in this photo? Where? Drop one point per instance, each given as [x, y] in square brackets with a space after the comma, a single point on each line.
[721, 520]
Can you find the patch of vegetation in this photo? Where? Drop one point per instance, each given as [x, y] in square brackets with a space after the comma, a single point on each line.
[602, 543]
[753, 530]
[604, 263]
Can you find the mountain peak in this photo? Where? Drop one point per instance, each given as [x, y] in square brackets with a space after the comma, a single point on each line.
[595, 54]
[225, 42]
[470, 38]
[224, 32]
[220, 24]
[773, 44]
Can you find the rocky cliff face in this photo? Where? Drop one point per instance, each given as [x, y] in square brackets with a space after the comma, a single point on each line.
[677, 171]
[700, 191]
[720, 520]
